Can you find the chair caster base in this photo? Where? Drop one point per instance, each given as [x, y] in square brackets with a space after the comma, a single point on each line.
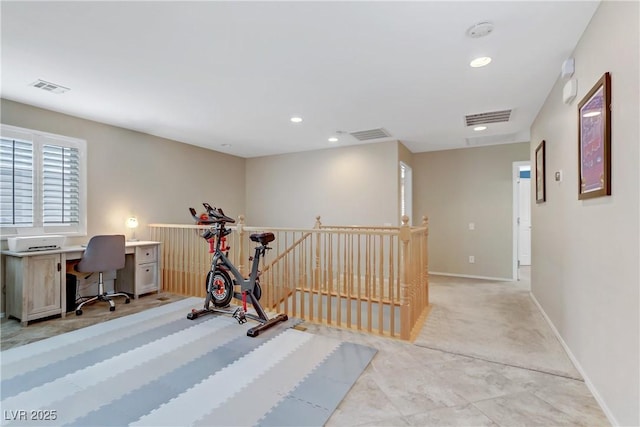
[127, 301]
[112, 309]
[78, 312]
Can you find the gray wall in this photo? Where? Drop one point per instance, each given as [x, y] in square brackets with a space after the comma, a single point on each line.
[456, 187]
[355, 185]
[585, 254]
[131, 173]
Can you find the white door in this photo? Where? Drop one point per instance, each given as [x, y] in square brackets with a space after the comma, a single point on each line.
[524, 221]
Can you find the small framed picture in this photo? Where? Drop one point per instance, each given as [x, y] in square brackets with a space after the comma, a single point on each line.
[541, 193]
[594, 141]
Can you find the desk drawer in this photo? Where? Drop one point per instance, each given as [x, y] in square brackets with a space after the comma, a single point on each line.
[146, 278]
[145, 254]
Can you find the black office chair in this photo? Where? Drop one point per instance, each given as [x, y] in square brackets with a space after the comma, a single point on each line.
[103, 253]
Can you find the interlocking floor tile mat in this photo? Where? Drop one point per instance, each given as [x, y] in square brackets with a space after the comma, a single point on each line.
[158, 368]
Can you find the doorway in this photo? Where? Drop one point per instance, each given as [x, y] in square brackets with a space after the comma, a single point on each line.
[406, 192]
[521, 219]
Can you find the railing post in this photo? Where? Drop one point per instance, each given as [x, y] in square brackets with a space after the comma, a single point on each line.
[405, 303]
[425, 257]
[240, 230]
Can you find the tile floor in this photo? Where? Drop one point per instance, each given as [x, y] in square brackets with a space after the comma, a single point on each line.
[485, 357]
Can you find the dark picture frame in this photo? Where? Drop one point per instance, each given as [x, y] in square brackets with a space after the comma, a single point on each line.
[594, 141]
[541, 184]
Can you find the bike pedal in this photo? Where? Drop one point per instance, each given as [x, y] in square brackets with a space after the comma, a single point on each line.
[238, 314]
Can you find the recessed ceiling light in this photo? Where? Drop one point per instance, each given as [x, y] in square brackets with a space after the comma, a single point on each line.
[225, 145]
[296, 119]
[333, 139]
[480, 62]
[479, 128]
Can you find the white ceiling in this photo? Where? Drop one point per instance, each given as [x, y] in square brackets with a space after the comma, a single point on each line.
[217, 73]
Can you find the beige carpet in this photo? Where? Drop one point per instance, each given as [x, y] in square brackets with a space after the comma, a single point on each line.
[494, 321]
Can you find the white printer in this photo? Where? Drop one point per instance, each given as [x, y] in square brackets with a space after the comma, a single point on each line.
[35, 243]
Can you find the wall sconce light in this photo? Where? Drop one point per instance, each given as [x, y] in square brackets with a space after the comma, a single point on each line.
[132, 223]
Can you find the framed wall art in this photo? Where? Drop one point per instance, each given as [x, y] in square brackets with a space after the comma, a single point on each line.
[541, 189]
[594, 141]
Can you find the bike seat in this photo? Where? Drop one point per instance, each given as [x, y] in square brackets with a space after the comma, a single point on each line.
[262, 238]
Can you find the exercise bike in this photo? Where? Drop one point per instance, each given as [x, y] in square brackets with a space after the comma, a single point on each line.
[220, 285]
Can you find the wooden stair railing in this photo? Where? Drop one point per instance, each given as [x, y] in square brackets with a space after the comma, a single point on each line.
[373, 279]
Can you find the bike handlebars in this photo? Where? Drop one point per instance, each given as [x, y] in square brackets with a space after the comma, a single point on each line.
[216, 216]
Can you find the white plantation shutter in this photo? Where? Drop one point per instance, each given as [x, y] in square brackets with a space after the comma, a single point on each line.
[42, 183]
[61, 185]
[16, 182]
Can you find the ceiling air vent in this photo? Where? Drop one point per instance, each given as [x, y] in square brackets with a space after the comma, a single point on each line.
[366, 135]
[491, 117]
[49, 87]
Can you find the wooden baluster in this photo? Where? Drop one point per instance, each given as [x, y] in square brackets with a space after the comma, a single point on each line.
[166, 265]
[186, 262]
[359, 286]
[405, 315]
[330, 279]
[201, 269]
[339, 280]
[349, 281]
[392, 302]
[197, 274]
[425, 257]
[192, 261]
[316, 269]
[172, 264]
[176, 256]
[188, 253]
[368, 282]
[181, 262]
[381, 287]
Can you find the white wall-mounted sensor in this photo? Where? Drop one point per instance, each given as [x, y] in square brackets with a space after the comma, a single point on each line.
[570, 91]
[568, 68]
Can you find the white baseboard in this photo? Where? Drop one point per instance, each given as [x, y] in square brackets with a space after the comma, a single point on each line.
[467, 276]
[575, 362]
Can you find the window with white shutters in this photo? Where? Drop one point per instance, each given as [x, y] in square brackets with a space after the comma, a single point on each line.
[61, 185]
[16, 182]
[42, 183]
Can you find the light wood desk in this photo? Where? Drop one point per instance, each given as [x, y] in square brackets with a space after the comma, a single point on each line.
[36, 281]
